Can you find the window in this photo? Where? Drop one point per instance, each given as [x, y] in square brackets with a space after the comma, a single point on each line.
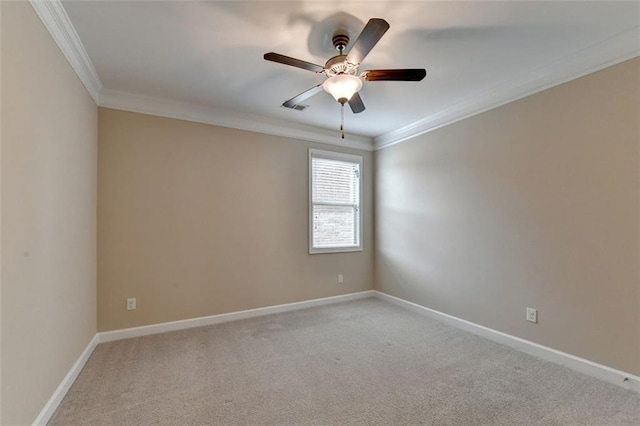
[335, 196]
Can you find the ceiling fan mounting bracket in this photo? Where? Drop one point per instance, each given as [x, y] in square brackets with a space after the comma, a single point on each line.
[340, 41]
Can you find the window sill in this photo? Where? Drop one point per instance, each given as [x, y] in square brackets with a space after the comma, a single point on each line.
[334, 250]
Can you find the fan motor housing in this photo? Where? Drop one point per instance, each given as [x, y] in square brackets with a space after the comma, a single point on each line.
[337, 61]
[339, 65]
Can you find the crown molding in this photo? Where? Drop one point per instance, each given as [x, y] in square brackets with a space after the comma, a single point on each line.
[57, 22]
[619, 48]
[220, 117]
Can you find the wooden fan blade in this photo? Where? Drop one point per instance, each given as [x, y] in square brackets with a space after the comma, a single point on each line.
[302, 96]
[356, 103]
[410, 74]
[287, 60]
[369, 37]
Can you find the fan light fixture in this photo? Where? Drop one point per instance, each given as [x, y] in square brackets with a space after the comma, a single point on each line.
[342, 87]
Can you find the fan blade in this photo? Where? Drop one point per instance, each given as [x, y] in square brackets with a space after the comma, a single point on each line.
[287, 60]
[356, 103]
[413, 74]
[369, 37]
[302, 96]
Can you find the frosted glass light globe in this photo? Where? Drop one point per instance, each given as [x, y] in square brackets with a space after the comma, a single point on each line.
[342, 86]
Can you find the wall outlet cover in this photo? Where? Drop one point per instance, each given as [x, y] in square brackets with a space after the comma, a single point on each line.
[532, 315]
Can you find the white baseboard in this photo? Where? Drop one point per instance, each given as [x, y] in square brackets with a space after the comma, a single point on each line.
[64, 386]
[53, 403]
[127, 333]
[602, 372]
[590, 368]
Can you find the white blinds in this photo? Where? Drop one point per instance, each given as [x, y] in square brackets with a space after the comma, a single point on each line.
[335, 202]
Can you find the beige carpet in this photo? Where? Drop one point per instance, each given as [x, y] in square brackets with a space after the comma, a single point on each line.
[363, 362]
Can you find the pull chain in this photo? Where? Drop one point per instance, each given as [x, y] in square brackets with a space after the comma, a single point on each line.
[342, 120]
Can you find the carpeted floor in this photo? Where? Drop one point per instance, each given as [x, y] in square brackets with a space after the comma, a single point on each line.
[362, 362]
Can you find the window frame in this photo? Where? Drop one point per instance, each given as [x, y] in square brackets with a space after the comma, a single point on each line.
[338, 156]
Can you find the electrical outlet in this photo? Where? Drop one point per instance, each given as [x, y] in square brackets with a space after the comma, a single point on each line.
[340, 279]
[131, 304]
[532, 315]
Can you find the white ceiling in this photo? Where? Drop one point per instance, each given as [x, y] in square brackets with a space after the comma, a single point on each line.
[210, 53]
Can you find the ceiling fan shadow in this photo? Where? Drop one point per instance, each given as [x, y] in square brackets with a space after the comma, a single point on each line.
[476, 33]
[320, 41]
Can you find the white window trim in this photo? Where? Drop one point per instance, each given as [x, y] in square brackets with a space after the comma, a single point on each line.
[339, 156]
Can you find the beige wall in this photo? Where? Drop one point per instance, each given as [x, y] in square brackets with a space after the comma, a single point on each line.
[49, 172]
[535, 204]
[196, 220]
[532, 204]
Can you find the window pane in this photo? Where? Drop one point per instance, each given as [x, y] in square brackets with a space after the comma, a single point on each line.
[335, 226]
[334, 201]
[335, 181]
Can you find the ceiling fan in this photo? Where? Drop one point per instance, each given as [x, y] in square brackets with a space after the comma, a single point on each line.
[343, 81]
